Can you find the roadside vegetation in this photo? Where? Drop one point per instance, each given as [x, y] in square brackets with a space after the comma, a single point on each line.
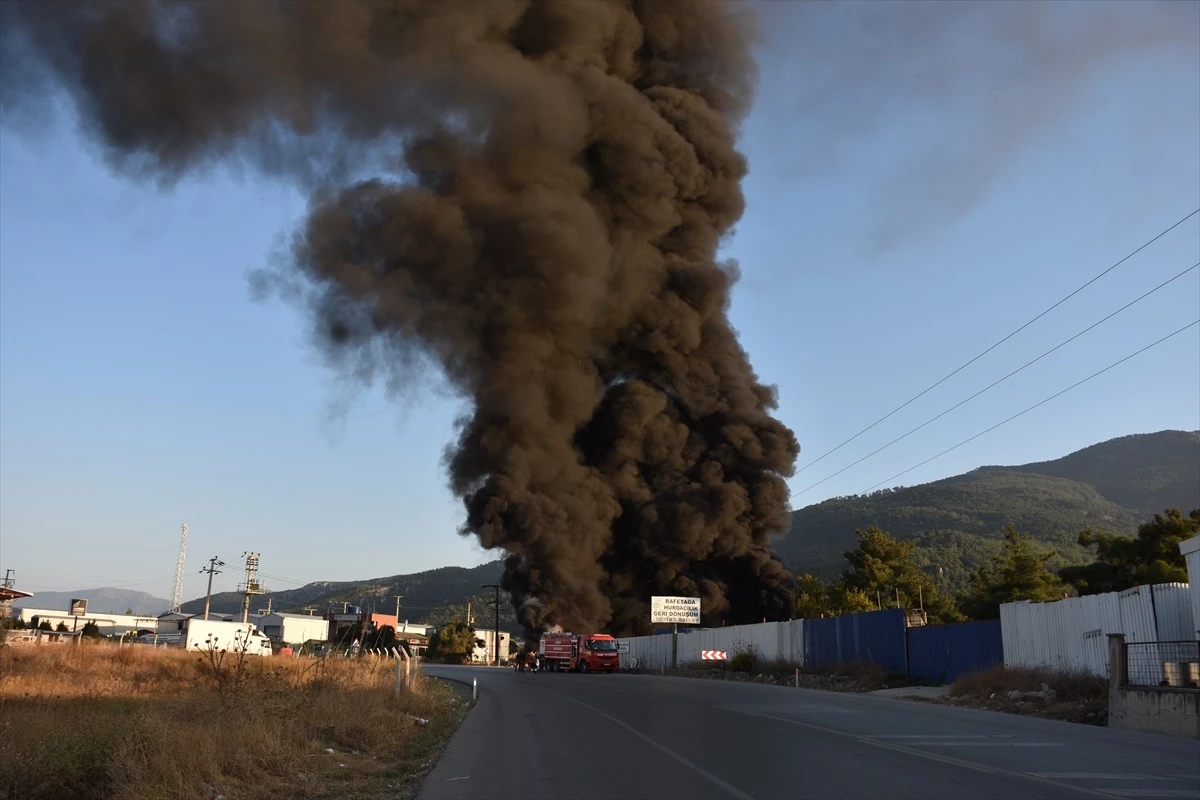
[883, 572]
[1072, 697]
[98, 721]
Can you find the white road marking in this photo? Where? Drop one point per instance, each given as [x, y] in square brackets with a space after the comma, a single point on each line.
[985, 744]
[776, 708]
[731, 789]
[1104, 776]
[939, 736]
[1189, 793]
[903, 747]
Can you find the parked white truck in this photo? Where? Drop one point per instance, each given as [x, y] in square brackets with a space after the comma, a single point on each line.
[201, 634]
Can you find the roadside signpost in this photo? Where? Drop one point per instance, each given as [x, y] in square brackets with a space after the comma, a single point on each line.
[677, 611]
[78, 609]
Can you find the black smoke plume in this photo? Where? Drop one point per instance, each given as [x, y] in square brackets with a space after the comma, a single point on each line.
[551, 181]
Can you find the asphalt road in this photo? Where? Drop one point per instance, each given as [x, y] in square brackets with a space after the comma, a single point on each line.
[557, 736]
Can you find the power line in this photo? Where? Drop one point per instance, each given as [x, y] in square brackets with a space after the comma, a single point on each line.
[1001, 380]
[1035, 405]
[997, 344]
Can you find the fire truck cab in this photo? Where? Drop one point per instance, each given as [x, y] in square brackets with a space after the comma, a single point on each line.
[574, 652]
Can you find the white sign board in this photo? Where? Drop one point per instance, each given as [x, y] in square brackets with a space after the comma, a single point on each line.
[680, 610]
[622, 647]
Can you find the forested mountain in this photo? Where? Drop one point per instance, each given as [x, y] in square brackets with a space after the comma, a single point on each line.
[1111, 486]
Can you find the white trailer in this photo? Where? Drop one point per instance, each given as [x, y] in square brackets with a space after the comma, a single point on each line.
[203, 634]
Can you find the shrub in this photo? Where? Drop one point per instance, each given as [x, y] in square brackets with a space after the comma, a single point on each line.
[745, 658]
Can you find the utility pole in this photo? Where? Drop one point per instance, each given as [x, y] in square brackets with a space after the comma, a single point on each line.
[251, 587]
[9, 580]
[211, 569]
[398, 608]
[496, 637]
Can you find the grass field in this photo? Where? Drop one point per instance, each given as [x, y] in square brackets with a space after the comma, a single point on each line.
[126, 723]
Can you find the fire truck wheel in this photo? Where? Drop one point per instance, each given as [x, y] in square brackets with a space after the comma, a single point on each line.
[583, 667]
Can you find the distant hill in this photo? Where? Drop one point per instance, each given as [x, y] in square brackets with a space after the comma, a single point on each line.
[1145, 472]
[101, 601]
[433, 596]
[1114, 486]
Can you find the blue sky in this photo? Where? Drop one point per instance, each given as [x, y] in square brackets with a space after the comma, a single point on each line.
[897, 225]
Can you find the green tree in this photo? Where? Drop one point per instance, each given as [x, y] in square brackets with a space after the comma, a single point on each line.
[91, 630]
[1123, 562]
[883, 570]
[1019, 572]
[129, 612]
[815, 598]
[62, 627]
[812, 596]
[453, 642]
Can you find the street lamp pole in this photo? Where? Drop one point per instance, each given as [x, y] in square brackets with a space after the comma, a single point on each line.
[496, 636]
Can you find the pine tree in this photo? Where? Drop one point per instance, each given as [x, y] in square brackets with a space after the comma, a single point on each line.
[1019, 572]
[1123, 562]
[882, 571]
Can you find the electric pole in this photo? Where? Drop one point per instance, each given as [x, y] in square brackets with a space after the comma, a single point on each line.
[251, 587]
[398, 609]
[496, 639]
[211, 569]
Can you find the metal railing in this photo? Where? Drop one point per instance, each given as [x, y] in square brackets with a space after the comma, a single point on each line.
[1175, 664]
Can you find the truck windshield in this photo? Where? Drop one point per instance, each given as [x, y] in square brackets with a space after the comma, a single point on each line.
[603, 645]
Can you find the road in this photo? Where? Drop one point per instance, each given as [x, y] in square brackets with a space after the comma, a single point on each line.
[554, 736]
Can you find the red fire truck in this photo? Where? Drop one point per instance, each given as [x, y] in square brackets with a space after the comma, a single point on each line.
[576, 652]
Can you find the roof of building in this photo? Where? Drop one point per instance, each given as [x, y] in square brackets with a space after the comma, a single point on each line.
[290, 615]
[8, 593]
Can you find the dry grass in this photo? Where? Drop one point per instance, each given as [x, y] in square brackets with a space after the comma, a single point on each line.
[134, 723]
[1076, 697]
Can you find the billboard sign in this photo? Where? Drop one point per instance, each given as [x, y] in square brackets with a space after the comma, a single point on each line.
[678, 610]
[78, 608]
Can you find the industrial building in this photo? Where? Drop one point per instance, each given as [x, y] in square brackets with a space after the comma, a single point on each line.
[485, 654]
[294, 629]
[109, 624]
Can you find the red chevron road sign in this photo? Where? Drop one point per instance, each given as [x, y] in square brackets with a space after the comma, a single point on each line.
[712, 655]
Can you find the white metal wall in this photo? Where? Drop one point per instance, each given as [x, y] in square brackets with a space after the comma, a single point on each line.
[1072, 634]
[1191, 556]
[772, 641]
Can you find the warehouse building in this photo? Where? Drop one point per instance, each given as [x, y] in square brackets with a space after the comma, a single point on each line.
[109, 624]
[295, 629]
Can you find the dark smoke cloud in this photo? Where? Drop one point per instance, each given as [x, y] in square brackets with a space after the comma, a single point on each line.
[957, 92]
[551, 184]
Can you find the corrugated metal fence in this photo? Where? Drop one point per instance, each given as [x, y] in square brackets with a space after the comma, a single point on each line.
[944, 653]
[1068, 635]
[875, 637]
[1072, 634]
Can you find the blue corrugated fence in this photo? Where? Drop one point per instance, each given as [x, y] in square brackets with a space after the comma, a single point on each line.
[876, 637]
[944, 653]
